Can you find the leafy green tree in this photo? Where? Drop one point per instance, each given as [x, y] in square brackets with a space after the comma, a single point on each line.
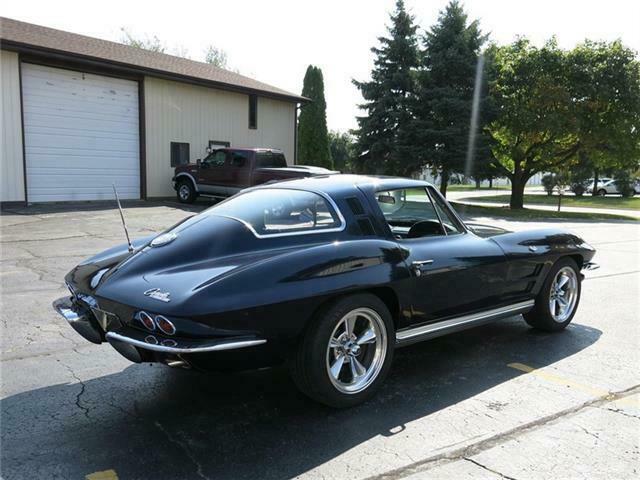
[555, 107]
[152, 44]
[605, 80]
[386, 134]
[341, 146]
[450, 60]
[216, 56]
[313, 139]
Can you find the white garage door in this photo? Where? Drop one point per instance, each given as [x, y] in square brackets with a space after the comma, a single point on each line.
[81, 135]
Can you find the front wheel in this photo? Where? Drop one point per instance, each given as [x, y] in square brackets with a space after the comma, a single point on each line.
[602, 192]
[346, 352]
[186, 192]
[557, 302]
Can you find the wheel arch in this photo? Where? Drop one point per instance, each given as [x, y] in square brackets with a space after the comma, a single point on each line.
[385, 294]
[578, 258]
[186, 177]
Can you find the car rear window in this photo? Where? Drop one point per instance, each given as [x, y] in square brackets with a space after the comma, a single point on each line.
[270, 160]
[281, 211]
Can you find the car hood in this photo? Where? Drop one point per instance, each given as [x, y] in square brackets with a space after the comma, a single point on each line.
[201, 251]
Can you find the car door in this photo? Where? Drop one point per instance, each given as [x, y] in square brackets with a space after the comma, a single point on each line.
[454, 272]
[213, 174]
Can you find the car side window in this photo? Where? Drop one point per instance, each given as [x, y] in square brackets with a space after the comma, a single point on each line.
[410, 213]
[215, 159]
[450, 223]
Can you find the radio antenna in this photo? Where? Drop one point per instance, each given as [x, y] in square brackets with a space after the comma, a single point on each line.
[124, 225]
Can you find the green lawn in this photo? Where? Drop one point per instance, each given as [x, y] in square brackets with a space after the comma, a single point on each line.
[458, 188]
[617, 202]
[529, 214]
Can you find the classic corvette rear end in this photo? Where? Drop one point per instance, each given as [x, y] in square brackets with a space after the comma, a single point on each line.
[327, 274]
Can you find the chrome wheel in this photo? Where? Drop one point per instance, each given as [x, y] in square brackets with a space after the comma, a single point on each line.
[184, 191]
[564, 294]
[356, 350]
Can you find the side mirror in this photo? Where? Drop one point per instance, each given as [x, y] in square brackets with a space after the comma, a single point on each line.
[198, 162]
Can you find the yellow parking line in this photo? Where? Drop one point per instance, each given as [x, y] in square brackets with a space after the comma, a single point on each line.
[550, 377]
[103, 475]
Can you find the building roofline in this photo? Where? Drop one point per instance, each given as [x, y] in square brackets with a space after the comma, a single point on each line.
[121, 65]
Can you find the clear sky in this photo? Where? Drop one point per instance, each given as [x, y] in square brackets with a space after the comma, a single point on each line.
[274, 41]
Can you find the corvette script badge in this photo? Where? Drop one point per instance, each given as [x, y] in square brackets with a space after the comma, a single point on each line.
[158, 295]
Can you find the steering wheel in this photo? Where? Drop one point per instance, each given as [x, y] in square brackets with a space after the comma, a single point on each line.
[425, 228]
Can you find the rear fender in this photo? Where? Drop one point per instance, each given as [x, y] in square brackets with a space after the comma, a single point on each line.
[298, 283]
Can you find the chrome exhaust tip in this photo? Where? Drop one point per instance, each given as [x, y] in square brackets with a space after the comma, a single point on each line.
[178, 364]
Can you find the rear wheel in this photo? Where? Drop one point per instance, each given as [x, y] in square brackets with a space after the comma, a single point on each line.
[602, 192]
[346, 353]
[557, 302]
[186, 192]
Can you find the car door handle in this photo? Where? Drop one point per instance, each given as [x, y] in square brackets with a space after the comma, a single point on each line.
[418, 264]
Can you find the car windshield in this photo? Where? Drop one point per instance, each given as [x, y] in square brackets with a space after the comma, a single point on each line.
[275, 211]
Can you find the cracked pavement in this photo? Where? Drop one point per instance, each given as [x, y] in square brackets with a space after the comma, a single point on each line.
[455, 407]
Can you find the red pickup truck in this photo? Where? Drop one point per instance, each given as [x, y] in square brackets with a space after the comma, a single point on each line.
[226, 171]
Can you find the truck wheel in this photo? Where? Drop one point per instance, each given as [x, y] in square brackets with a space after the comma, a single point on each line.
[557, 302]
[345, 354]
[186, 192]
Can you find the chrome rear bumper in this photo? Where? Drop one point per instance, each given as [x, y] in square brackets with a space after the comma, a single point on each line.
[178, 347]
[129, 341]
[81, 320]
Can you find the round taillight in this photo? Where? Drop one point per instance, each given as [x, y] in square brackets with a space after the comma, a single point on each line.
[165, 325]
[147, 321]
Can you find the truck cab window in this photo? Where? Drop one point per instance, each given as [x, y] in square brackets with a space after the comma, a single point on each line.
[239, 159]
[215, 159]
[270, 160]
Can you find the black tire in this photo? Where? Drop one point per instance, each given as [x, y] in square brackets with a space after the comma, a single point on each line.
[310, 365]
[186, 191]
[602, 192]
[540, 316]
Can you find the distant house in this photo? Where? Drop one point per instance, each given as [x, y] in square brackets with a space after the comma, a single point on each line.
[80, 113]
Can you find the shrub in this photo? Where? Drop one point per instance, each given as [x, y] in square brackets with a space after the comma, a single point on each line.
[549, 183]
[624, 183]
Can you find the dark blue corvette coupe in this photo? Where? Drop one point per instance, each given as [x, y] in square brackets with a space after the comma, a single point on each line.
[328, 274]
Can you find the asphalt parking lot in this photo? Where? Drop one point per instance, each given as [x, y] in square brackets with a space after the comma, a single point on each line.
[499, 401]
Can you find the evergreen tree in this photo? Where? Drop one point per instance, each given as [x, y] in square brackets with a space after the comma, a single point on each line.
[386, 135]
[313, 139]
[446, 93]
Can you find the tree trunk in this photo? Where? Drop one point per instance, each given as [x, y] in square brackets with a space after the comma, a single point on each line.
[490, 183]
[594, 193]
[444, 181]
[477, 184]
[559, 199]
[517, 191]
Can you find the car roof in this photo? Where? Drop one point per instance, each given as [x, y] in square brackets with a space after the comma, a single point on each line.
[339, 185]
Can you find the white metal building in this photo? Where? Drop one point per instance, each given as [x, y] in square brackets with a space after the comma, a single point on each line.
[80, 113]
